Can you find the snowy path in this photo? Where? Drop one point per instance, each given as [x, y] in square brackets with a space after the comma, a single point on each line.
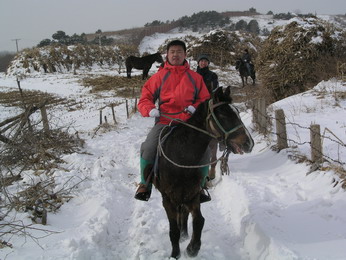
[257, 212]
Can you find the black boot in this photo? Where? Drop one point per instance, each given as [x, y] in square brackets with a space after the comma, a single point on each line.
[204, 196]
[143, 193]
[144, 189]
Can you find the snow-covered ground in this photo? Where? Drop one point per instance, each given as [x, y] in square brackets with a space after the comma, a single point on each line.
[267, 208]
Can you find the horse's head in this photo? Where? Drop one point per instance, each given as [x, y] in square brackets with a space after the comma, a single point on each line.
[237, 63]
[158, 57]
[225, 123]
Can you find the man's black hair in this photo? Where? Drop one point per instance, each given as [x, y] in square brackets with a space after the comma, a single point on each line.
[176, 43]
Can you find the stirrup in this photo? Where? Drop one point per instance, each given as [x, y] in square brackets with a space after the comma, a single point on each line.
[204, 197]
[143, 193]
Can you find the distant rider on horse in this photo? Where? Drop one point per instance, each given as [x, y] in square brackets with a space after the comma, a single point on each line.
[247, 60]
[178, 90]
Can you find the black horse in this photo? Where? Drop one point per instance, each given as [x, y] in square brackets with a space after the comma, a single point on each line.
[143, 63]
[179, 178]
[244, 73]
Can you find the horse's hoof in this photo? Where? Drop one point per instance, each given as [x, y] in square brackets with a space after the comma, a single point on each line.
[192, 251]
[175, 255]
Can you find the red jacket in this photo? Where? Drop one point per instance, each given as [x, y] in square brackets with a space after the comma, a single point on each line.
[175, 88]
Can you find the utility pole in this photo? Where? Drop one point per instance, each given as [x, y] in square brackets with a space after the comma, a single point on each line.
[16, 43]
[100, 39]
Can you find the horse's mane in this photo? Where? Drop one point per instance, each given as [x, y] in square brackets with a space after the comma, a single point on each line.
[198, 118]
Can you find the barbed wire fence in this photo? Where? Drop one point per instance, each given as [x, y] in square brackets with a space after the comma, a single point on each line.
[264, 123]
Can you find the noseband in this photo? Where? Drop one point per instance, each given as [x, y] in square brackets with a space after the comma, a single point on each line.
[221, 134]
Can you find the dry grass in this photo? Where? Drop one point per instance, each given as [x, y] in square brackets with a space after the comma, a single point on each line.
[295, 58]
[121, 86]
[14, 98]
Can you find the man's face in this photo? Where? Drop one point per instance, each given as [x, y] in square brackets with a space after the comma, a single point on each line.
[203, 63]
[176, 55]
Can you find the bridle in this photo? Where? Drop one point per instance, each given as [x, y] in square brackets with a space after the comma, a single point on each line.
[221, 133]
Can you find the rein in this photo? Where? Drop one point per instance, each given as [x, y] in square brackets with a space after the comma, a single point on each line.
[212, 115]
[187, 124]
[224, 155]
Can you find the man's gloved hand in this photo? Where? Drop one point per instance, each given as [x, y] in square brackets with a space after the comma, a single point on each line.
[154, 112]
[190, 109]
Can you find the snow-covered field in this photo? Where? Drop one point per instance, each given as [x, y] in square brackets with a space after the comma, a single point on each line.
[267, 208]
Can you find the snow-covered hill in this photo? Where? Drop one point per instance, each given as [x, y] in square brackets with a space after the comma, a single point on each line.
[267, 208]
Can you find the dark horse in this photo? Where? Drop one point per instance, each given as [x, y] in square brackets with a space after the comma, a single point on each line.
[244, 73]
[179, 178]
[143, 63]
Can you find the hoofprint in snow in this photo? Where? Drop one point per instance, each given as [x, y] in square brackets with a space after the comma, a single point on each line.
[267, 208]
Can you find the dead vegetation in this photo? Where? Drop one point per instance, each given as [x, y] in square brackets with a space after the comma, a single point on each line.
[62, 58]
[29, 156]
[121, 86]
[14, 99]
[296, 57]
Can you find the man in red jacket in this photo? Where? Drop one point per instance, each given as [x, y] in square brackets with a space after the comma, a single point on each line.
[178, 90]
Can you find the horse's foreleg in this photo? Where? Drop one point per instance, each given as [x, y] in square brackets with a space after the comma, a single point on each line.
[128, 72]
[174, 232]
[197, 226]
[182, 223]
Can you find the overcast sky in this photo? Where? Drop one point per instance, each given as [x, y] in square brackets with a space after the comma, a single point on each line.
[34, 20]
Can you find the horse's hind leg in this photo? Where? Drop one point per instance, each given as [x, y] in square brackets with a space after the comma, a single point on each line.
[146, 72]
[213, 151]
[174, 232]
[197, 226]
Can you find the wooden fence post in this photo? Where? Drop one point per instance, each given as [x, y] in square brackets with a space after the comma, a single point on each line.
[316, 144]
[100, 116]
[127, 109]
[260, 114]
[44, 119]
[113, 113]
[135, 105]
[281, 129]
[254, 112]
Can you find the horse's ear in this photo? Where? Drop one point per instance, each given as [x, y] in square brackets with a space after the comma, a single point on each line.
[222, 96]
[227, 94]
[217, 95]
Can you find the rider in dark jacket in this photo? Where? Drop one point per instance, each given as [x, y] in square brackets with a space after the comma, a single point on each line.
[211, 81]
[210, 78]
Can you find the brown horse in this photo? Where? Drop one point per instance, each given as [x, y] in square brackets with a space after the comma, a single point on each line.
[144, 63]
[179, 176]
